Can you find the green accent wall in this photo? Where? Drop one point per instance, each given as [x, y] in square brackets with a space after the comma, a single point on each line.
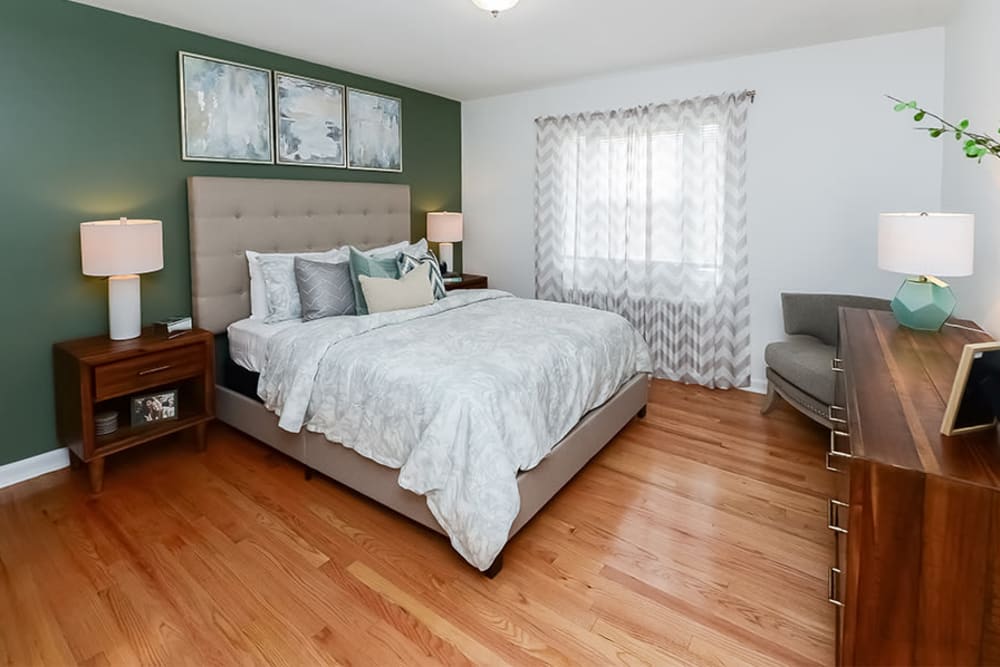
[90, 129]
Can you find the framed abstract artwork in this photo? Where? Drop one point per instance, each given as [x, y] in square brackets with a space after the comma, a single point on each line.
[374, 131]
[225, 111]
[309, 121]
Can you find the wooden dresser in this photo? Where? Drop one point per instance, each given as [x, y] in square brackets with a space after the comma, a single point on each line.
[916, 574]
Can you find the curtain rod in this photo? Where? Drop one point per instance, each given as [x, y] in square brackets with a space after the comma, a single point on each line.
[748, 92]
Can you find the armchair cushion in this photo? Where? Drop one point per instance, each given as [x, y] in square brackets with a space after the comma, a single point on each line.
[805, 362]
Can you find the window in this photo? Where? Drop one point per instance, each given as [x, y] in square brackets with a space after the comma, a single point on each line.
[642, 212]
[639, 186]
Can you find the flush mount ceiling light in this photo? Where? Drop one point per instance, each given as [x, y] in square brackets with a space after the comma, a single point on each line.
[494, 7]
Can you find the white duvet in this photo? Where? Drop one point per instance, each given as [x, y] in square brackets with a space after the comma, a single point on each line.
[459, 395]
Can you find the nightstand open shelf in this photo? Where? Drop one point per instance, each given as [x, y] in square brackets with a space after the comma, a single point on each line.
[129, 436]
[191, 411]
[95, 375]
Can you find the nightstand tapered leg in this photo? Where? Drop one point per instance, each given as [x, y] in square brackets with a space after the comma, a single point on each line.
[199, 434]
[96, 470]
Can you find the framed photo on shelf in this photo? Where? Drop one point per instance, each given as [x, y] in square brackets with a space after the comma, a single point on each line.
[152, 408]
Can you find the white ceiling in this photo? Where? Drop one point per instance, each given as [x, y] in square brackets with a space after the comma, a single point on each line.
[452, 48]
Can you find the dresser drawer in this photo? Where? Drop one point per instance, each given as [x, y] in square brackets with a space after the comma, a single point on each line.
[148, 371]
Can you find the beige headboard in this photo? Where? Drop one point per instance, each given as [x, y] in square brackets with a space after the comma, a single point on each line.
[229, 216]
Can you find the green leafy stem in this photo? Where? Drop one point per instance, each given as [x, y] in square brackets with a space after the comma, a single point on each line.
[976, 145]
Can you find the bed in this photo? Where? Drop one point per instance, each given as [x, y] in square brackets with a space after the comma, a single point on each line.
[231, 215]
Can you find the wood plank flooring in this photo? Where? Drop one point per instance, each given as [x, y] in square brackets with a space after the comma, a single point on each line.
[697, 537]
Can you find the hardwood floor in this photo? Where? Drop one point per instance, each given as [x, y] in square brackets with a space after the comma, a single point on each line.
[697, 537]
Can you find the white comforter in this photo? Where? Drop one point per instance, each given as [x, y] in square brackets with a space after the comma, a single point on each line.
[459, 395]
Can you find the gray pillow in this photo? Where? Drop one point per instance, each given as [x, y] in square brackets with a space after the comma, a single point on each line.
[325, 290]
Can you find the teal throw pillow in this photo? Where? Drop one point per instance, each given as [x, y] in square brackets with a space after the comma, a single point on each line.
[373, 267]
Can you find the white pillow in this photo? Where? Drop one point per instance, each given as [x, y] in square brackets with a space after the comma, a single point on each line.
[411, 291]
[258, 288]
[419, 248]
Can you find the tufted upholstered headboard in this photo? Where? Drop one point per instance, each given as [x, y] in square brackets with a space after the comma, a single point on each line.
[229, 216]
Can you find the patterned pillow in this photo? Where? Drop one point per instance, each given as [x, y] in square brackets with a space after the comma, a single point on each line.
[258, 290]
[283, 303]
[408, 261]
[325, 290]
[373, 267]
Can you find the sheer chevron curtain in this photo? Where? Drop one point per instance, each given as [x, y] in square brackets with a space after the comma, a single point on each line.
[642, 212]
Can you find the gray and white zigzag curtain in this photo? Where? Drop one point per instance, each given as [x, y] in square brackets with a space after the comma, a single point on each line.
[643, 212]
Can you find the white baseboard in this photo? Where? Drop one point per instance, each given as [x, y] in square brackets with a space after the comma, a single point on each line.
[757, 386]
[25, 469]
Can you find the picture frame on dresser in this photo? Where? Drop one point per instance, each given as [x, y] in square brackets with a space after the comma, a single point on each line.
[974, 402]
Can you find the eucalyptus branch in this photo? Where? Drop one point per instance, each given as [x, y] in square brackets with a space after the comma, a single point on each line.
[977, 145]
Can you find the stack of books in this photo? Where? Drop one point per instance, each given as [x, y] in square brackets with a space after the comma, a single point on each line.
[172, 325]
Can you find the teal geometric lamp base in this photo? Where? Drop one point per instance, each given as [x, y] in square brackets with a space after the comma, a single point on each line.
[923, 303]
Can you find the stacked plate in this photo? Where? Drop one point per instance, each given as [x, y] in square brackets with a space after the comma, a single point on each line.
[106, 422]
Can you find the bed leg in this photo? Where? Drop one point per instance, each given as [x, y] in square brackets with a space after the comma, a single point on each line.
[495, 568]
[309, 473]
[642, 413]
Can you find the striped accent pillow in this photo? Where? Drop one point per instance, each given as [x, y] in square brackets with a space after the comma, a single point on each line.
[407, 262]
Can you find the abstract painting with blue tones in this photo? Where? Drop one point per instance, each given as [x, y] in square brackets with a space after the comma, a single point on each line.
[225, 111]
[374, 131]
[310, 117]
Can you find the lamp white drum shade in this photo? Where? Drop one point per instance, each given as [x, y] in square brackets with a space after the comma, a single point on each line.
[926, 244]
[444, 227]
[121, 247]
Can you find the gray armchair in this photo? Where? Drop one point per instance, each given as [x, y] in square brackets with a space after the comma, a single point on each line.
[799, 369]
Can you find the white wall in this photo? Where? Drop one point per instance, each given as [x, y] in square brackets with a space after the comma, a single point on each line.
[826, 155]
[972, 91]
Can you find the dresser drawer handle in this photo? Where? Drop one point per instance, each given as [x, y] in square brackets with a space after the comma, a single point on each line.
[829, 464]
[834, 589]
[837, 365]
[833, 444]
[833, 516]
[832, 414]
[158, 369]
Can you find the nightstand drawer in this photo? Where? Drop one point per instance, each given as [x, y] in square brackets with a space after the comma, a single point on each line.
[147, 371]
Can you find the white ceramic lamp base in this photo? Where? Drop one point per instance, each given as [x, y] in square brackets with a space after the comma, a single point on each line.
[124, 307]
[447, 251]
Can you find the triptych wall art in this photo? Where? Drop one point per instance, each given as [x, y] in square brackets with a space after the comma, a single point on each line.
[238, 113]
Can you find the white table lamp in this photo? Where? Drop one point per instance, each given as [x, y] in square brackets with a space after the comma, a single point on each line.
[445, 229]
[120, 250]
[925, 246]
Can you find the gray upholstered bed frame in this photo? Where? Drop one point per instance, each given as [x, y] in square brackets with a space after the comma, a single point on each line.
[231, 215]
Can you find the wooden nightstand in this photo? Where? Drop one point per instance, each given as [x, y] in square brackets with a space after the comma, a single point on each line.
[94, 375]
[469, 281]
